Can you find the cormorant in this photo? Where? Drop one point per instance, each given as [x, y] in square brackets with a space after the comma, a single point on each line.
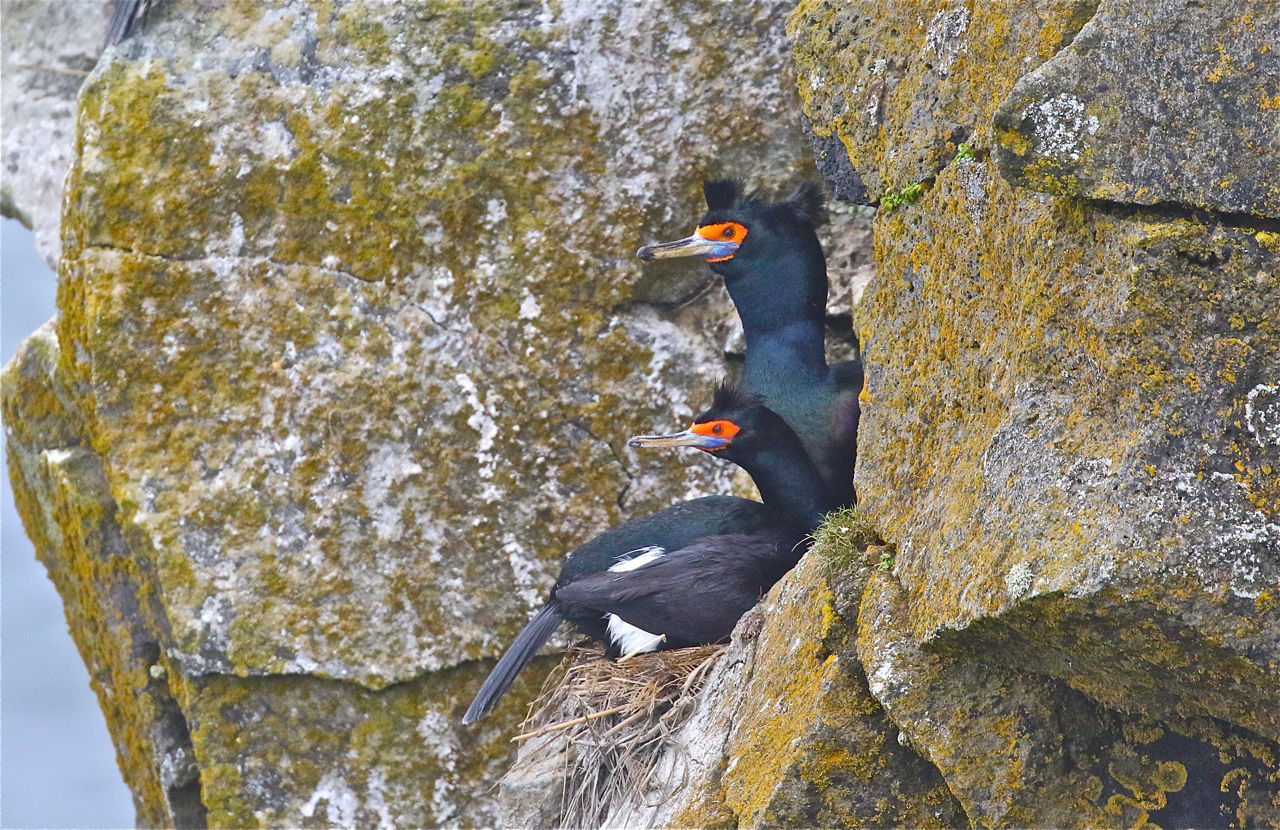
[683, 576]
[775, 271]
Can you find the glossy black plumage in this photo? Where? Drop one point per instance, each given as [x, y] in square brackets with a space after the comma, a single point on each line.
[777, 278]
[724, 576]
[721, 553]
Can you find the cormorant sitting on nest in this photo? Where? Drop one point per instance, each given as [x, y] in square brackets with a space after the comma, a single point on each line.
[683, 576]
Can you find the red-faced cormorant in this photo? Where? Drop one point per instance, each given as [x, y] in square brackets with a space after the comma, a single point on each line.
[683, 576]
[774, 269]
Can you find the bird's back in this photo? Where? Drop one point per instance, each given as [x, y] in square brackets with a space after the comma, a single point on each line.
[671, 529]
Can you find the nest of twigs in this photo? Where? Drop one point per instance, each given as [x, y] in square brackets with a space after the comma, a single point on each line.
[618, 717]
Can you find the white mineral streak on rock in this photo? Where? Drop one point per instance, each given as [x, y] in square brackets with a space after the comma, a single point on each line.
[338, 799]
[944, 35]
[1262, 414]
[531, 579]
[58, 456]
[390, 465]
[375, 799]
[529, 308]
[1061, 126]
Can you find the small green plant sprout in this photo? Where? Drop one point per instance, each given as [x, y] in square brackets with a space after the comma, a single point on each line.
[896, 199]
[886, 561]
[964, 151]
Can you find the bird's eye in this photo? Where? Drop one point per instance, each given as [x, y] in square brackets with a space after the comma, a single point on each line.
[717, 429]
[728, 232]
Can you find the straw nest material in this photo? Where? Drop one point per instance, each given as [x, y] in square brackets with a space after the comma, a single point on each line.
[616, 717]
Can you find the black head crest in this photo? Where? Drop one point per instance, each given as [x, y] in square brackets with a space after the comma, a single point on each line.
[808, 204]
[722, 194]
[730, 396]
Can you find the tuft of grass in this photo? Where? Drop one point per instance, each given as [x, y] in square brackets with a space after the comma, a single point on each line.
[964, 151]
[897, 198]
[842, 538]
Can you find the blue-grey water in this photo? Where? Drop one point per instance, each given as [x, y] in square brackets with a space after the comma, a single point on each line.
[57, 765]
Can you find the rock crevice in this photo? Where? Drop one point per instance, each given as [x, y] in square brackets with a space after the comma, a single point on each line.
[306, 464]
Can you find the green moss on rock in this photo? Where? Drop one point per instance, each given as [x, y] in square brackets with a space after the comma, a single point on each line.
[904, 84]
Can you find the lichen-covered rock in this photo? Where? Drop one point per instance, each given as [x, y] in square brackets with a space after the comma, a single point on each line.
[1019, 749]
[48, 49]
[1077, 441]
[1154, 103]
[108, 593]
[901, 84]
[298, 750]
[350, 342]
[421, 211]
[1067, 438]
[351, 327]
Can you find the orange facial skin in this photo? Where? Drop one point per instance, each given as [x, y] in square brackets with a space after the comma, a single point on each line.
[722, 232]
[716, 429]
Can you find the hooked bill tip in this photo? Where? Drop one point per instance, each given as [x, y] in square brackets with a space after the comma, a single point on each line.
[645, 253]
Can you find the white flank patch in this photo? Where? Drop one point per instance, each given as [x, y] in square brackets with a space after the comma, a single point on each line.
[629, 639]
[638, 558]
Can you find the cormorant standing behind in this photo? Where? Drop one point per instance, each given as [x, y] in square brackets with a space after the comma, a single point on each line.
[776, 274]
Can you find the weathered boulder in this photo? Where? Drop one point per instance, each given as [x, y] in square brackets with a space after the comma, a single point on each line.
[350, 340]
[898, 86]
[1021, 749]
[1068, 427]
[1171, 102]
[1083, 466]
[47, 49]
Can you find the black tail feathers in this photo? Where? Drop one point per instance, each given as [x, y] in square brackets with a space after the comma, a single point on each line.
[526, 644]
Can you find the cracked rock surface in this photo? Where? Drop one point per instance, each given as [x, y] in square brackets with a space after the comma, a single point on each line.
[1062, 436]
[1154, 103]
